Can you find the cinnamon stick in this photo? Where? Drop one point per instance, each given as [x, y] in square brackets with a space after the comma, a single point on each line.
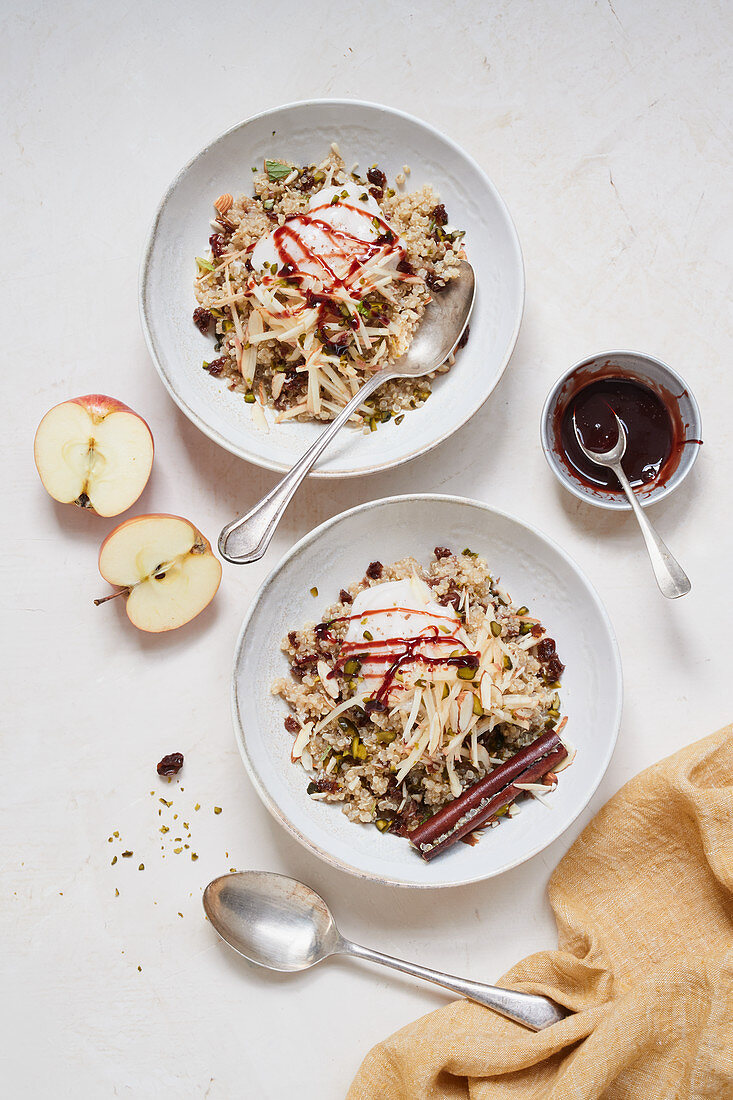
[480, 802]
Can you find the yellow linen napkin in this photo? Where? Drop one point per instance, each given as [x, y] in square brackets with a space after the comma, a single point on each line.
[644, 909]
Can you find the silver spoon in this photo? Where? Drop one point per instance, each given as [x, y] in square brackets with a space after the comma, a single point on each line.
[671, 577]
[279, 923]
[246, 539]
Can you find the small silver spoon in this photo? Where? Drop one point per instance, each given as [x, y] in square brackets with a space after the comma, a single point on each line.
[246, 539]
[279, 923]
[671, 577]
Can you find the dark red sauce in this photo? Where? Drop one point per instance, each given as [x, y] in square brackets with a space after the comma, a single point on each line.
[396, 653]
[649, 428]
[293, 249]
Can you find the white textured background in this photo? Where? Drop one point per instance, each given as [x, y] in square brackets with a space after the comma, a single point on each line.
[607, 128]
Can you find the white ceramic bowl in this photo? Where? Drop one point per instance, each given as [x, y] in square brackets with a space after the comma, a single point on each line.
[535, 571]
[303, 132]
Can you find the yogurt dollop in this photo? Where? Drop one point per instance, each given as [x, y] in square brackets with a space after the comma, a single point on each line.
[342, 230]
[387, 619]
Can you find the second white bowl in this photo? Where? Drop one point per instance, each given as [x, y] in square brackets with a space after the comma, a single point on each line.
[535, 571]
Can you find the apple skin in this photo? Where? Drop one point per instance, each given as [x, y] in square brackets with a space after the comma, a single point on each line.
[98, 406]
[205, 553]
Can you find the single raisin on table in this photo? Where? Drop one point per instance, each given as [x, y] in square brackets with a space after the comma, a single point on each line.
[374, 570]
[377, 177]
[439, 215]
[442, 552]
[171, 764]
[291, 725]
[202, 318]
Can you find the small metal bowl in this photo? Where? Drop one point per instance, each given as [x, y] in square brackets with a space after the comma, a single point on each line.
[663, 381]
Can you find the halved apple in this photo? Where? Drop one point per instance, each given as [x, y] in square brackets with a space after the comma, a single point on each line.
[95, 452]
[164, 567]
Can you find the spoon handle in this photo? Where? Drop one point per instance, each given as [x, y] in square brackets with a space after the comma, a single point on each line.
[672, 580]
[246, 539]
[529, 1009]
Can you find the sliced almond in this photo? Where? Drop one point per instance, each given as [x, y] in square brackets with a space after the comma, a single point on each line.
[329, 682]
[224, 203]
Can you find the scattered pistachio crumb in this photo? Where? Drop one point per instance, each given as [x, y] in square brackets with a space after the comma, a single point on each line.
[186, 845]
[141, 867]
[233, 870]
[175, 817]
[164, 802]
[194, 855]
[217, 809]
[186, 825]
[180, 914]
[117, 893]
[197, 806]
[116, 833]
[126, 855]
[140, 968]
[114, 860]
[164, 829]
[314, 591]
[178, 850]
[109, 839]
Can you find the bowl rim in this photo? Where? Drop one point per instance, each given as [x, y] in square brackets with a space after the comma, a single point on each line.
[243, 451]
[259, 785]
[616, 504]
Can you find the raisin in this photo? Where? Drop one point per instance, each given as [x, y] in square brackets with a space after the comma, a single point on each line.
[218, 245]
[376, 193]
[384, 238]
[305, 664]
[171, 764]
[545, 649]
[452, 597]
[439, 215]
[293, 638]
[434, 283]
[377, 177]
[305, 181]
[216, 366]
[202, 318]
[374, 570]
[406, 820]
[464, 337]
[554, 669]
[405, 267]
[291, 725]
[345, 596]
[374, 706]
[442, 552]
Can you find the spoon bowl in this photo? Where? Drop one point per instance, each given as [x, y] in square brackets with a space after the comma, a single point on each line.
[272, 920]
[283, 925]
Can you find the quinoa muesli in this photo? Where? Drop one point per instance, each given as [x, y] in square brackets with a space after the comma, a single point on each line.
[418, 683]
[317, 280]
